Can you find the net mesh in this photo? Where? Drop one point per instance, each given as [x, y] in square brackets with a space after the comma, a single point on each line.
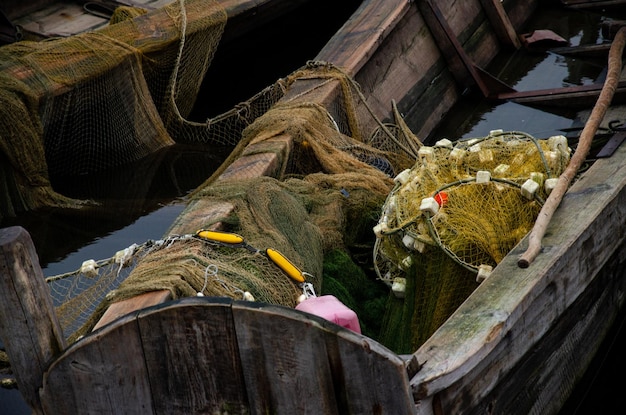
[86, 103]
[451, 219]
[325, 195]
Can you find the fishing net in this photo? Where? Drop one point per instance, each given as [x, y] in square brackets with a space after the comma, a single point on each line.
[323, 196]
[451, 219]
[82, 104]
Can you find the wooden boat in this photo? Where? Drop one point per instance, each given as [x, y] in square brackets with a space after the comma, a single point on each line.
[507, 349]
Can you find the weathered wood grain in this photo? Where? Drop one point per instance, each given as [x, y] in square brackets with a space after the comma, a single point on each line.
[266, 158]
[278, 357]
[213, 355]
[548, 372]
[312, 366]
[29, 326]
[124, 307]
[191, 353]
[100, 374]
[501, 23]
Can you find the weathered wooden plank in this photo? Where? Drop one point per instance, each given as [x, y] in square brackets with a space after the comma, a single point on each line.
[547, 373]
[29, 326]
[461, 65]
[65, 18]
[576, 246]
[203, 215]
[593, 4]
[266, 158]
[213, 355]
[501, 23]
[600, 50]
[296, 362]
[180, 357]
[60, 19]
[575, 97]
[16, 8]
[104, 373]
[286, 369]
[375, 380]
[191, 355]
[387, 80]
[356, 41]
[124, 307]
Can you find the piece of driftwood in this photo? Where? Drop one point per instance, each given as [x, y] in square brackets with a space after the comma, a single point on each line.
[584, 144]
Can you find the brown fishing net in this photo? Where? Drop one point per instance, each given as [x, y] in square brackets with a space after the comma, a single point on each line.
[82, 104]
[310, 183]
[325, 194]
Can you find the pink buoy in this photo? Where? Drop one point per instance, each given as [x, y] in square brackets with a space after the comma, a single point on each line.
[330, 308]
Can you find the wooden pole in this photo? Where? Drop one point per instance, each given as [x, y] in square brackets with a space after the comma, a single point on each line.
[584, 144]
[29, 326]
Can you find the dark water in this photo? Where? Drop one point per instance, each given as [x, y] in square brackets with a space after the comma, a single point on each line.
[64, 240]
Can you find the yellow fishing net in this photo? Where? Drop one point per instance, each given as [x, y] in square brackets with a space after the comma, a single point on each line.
[452, 217]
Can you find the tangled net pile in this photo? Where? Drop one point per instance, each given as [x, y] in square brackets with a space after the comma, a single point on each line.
[322, 199]
[453, 216]
[96, 100]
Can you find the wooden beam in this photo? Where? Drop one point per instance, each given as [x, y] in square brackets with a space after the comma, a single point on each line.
[592, 51]
[29, 326]
[591, 4]
[501, 23]
[121, 308]
[465, 72]
[576, 97]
